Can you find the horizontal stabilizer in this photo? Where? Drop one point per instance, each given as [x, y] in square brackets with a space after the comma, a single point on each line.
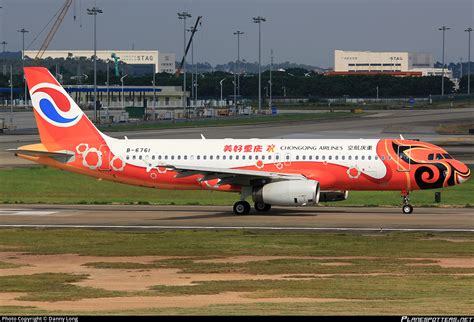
[61, 156]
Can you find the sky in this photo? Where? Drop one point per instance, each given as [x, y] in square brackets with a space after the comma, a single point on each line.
[299, 31]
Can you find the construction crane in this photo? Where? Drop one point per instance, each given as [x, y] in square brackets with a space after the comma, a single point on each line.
[193, 31]
[62, 13]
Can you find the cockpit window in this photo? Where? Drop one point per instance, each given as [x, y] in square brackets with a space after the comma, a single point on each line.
[439, 156]
[431, 156]
[447, 156]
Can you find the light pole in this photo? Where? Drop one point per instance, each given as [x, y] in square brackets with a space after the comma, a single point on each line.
[468, 30]
[270, 81]
[123, 98]
[238, 33]
[11, 97]
[443, 29]
[191, 30]
[184, 15]
[259, 21]
[108, 85]
[377, 88]
[4, 43]
[220, 82]
[154, 87]
[23, 32]
[94, 12]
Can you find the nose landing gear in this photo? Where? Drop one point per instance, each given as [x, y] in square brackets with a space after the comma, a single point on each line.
[407, 208]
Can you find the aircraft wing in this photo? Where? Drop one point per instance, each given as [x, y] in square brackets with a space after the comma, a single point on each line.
[233, 176]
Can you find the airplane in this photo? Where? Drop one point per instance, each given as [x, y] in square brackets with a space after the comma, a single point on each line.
[274, 172]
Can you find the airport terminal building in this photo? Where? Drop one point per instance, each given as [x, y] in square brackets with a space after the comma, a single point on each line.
[392, 63]
[162, 62]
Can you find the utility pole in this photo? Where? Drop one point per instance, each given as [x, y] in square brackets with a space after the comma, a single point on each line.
[443, 29]
[270, 81]
[23, 32]
[94, 12]
[259, 21]
[193, 97]
[11, 97]
[468, 30]
[184, 15]
[238, 33]
[4, 43]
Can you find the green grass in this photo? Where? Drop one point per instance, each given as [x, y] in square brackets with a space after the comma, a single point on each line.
[4, 265]
[229, 121]
[52, 287]
[230, 243]
[52, 186]
[294, 266]
[350, 287]
[421, 290]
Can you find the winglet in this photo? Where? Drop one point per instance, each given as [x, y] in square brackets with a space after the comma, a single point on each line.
[202, 136]
[401, 137]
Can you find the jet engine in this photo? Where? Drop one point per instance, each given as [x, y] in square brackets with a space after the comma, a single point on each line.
[288, 193]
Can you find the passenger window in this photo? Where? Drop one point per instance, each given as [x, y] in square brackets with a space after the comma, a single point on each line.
[217, 157]
[362, 157]
[343, 157]
[250, 157]
[134, 157]
[316, 157]
[140, 157]
[297, 157]
[369, 157]
[236, 157]
[310, 157]
[330, 157]
[288, 157]
[277, 157]
[269, 157]
[224, 157]
[179, 157]
[211, 157]
[356, 157]
[204, 157]
[128, 157]
[323, 157]
[153, 157]
[185, 157]
[172, 157]
[198, 157]
[243, 157]
[349, 157]
[263, 157]
[304, 157]
[336, 157]
[159, 157]
[230, 157]
[376, 157]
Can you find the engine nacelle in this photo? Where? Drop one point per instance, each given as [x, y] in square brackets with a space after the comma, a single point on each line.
[330, 196]
[288, 193]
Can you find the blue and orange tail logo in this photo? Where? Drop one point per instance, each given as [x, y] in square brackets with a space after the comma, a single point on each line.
[61, 122]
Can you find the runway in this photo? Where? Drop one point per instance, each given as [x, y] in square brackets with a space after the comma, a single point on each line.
[139, 217]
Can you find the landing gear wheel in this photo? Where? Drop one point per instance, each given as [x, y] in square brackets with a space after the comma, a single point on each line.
[407, 209]
[262, 207]
[241, 208]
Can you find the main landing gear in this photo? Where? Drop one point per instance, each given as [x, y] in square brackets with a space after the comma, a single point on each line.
[243, 207]
[407, 208]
